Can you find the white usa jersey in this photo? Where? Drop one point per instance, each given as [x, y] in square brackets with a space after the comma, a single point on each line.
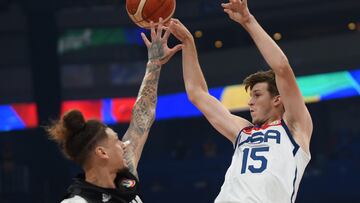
[266, 167]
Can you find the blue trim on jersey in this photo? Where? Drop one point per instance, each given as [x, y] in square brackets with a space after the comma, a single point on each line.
[238, 137]
[296, 146]
[293, 193]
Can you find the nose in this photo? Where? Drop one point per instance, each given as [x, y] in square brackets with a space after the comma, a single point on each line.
[251, 102]
[126, 143]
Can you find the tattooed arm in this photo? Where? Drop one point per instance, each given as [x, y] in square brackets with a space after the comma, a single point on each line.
[143, 113]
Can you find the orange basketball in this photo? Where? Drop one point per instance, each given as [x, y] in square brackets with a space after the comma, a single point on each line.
[144, 11]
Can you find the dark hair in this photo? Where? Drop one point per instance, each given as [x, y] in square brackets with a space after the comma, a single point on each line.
[76, 136]
[262, 76]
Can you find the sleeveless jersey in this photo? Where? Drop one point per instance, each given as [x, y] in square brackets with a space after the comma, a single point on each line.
[267, 166]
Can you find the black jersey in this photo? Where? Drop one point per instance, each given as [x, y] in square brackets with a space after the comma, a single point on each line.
[126, 191]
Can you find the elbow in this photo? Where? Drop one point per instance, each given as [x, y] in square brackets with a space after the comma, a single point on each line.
[193, 99]
[143, 116]
[193, 95]
[282, 67]
[151, 118]
[199, 98]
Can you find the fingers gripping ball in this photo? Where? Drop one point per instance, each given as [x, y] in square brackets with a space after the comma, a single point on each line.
[144, 11]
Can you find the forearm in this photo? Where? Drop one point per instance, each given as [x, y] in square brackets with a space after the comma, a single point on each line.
[193, 76]
[267, 46]
[143, 113]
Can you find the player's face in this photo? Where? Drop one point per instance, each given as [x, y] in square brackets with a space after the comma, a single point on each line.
[260, 103]
[115, 149]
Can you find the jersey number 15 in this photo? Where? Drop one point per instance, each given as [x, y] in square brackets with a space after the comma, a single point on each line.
[256, 157]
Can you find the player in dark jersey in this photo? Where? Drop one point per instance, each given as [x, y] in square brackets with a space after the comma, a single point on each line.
[110, 164]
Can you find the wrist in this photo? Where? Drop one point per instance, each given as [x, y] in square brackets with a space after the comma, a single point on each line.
[153, 64]
[247, 21]
[188, 40]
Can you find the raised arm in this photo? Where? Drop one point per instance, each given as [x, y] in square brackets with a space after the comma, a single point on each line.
[143, 113]
[296, 114]
[220, 118]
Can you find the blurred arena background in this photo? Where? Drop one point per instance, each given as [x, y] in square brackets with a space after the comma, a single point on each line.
[61, 54]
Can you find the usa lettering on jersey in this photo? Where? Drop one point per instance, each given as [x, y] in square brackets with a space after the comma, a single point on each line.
[259, 137]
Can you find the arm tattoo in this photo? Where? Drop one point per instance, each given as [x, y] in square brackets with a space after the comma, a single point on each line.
[129, 157]
[143, 113]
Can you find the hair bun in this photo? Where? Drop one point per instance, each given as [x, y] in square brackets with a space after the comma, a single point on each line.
[74, 121]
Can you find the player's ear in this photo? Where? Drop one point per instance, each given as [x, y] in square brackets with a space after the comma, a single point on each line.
[277, 100]
[101, 152]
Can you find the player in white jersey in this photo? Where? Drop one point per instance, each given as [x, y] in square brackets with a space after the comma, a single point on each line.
[272, 151]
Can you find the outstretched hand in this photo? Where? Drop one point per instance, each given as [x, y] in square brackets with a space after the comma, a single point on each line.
[179, 30]
[237, 10]
[158, 49]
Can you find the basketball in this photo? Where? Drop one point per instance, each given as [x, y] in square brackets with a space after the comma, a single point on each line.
[144, 11]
